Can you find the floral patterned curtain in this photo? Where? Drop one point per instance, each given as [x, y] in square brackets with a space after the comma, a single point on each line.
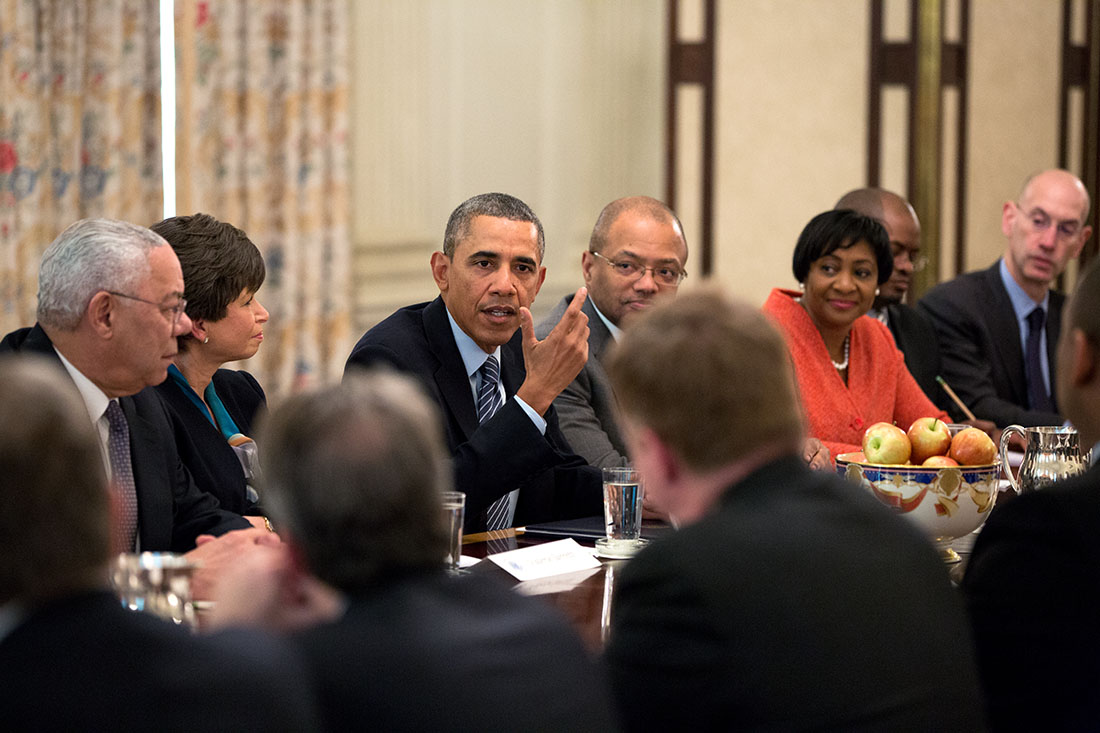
[79, 128]
[262, 99]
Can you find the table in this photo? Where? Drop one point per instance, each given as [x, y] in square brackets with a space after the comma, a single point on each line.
[587, 605]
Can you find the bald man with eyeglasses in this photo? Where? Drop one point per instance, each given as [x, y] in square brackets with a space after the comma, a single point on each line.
[635, 258]
[998, 327]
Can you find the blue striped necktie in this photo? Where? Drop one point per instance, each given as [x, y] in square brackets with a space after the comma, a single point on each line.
[488, 402]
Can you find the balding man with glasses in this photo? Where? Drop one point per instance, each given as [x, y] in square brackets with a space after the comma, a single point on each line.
[998, 327]
[110, 307]
[636, 257]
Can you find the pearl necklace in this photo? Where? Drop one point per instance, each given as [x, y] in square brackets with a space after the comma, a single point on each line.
[844, 364]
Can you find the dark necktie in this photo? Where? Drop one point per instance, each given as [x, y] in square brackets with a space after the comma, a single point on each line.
[488, 402]
[1037, 395]
[122, 474]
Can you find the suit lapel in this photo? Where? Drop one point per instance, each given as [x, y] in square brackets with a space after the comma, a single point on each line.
[450, 374]
[1001, 320]
[599, 337]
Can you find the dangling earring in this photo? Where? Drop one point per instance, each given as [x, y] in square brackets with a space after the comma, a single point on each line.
[207, 339]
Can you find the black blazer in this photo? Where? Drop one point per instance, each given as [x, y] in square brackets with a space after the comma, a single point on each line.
[980, 346]
[917, 340]
[507, 452]
[798, 603]
[85, 663]
[431, 652]
[172, 511]
[202, 447]
[1033, 587]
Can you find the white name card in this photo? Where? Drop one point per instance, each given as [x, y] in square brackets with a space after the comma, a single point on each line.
[543, 561]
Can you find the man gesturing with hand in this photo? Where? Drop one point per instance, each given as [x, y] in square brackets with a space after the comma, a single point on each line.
[474, 350]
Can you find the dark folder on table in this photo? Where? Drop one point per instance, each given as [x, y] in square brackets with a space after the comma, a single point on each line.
[592, 528]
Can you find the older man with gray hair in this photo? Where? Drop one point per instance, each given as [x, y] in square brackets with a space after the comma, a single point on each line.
[393, 642]
[110, 306]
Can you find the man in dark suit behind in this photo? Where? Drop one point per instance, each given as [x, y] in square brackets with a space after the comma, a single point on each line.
[1033, 580]
[510, 457]
[71, 657]
[394, 642]
[912, 331]
[986, 320]
[788, 599]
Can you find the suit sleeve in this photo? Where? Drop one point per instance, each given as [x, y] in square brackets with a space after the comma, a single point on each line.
[194, 511]
[1031, 588]
[582, 427]
[965, 358]
[662, 654]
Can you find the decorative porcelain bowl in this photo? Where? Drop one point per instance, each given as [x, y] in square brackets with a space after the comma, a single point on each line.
[946, 503]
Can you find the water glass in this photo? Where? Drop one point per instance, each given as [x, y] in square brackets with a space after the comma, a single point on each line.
[454, 512]
[622, 510]
[157, 583]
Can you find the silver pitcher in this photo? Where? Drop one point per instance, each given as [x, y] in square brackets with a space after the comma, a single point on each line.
[1052, 454]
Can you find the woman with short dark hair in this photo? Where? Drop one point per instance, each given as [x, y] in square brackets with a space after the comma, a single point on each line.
[213, 409]
[850, 372]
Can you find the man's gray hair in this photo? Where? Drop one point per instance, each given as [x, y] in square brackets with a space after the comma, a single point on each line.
[354, 473]
[89, 256]
[499, 205]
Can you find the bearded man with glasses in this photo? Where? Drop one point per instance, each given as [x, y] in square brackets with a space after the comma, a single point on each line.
[110, 308]
[998, 327]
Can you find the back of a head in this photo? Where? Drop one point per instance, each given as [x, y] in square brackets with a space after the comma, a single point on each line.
[354, 472]
[1084, 310]
[218, 260]
[498, 205]
[89, 256]
[710, 376]
[54, 505]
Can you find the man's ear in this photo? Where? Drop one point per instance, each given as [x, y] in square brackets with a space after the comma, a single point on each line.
[198, 329]
[101, 314]
[441, 270]
[1008, 217]
[664, 460]
[1083, 366]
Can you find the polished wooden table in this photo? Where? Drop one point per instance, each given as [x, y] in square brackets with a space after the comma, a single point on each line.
[587, 604]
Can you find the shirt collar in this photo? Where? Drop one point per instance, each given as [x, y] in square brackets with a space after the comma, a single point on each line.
[472, 355]
[616, 332]
[1022, 303]
[94, 398]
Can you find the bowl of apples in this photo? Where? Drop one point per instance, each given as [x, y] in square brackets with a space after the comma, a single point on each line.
[944, 478]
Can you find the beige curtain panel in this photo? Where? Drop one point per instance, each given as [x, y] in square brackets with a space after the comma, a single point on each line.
[79, 128]
[262, 107]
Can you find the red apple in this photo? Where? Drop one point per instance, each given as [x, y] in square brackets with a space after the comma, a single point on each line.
[939, 462]
[929, 436]
[972, 447]
[885, 443]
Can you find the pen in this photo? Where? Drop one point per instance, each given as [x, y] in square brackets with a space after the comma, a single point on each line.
[951, 393]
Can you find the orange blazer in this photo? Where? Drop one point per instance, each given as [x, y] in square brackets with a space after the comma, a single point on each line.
[879, 389]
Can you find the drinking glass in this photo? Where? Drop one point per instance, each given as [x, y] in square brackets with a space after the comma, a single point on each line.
[454, 512]
[157, 583]
[622, 510]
